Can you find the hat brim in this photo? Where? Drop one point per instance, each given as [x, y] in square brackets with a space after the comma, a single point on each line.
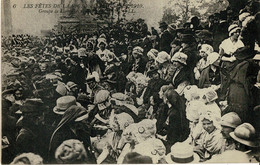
[170, 161]
[58, 112]
[243, 141]
[184, 63]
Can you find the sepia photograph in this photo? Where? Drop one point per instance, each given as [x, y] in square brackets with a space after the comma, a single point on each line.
[130, 81]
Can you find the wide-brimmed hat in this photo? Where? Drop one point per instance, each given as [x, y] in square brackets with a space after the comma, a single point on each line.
[182, 153]
[34, 105]
[206, 48]
[180, 57]
[245, 134]
[162, 57]
[231, 119]
[163, 24]
[63, 103]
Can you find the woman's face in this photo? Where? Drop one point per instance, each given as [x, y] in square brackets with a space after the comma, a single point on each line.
[208, 125]
[102, 46]
[235, 35]
[203, 54]
[136, 55]
[18, 94]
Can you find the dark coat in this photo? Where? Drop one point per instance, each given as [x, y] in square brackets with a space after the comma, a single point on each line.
[32, 139]
[185, 74]
[165, 41]
[178, 129]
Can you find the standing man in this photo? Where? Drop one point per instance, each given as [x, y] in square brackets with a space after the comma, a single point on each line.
[166, 37]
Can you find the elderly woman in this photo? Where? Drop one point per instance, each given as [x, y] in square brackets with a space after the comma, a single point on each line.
[211, 137]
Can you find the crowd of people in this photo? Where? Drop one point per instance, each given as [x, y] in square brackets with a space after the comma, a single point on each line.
[124, 94]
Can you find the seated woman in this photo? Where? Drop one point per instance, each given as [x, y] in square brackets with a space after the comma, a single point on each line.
[211, 137]
[205, 50]
[211, 74]
[109, 143]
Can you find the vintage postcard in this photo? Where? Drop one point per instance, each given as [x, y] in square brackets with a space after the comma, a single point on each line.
[130, 81]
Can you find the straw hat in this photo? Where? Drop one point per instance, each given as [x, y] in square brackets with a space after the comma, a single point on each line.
[182, 153]
[63, 103]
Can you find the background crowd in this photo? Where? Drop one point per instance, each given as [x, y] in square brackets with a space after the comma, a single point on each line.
[124, 94]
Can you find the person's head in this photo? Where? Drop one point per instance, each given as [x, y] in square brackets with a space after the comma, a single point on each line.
[71, 151]
[205, 50]
[102, 99]
[73, 88]
[193, 111]
[234, 31]
[145, 129]
[195, 21]
[102, 43]
[44, 67]
[18, 93]
[153, 148]
[162, 57]
[179, 59]
[229, 122]
[36, 69]
[182, 152]
[27, 158]
[175, 45]
[187, 40]
[208, 121]
[33, 111]
[136, 158]
[119, 122]
[137, 52]
[152, 54]
[163, 26]
[245, 137]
